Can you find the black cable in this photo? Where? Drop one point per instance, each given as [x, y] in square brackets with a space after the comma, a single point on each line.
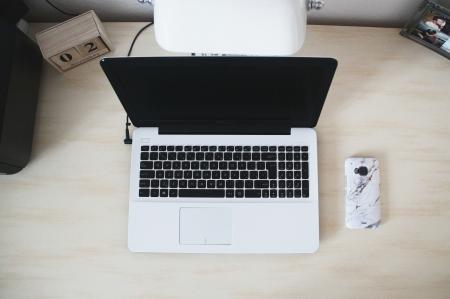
[128, 139]
[60, 10]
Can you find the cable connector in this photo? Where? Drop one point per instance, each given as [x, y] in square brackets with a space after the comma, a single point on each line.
[127, 139]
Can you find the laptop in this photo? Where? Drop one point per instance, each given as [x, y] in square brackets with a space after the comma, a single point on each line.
[224, 154]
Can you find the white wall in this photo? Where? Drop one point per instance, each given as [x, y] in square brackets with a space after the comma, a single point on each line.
[384, 13]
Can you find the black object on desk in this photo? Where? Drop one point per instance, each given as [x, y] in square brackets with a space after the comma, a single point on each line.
[20, 72]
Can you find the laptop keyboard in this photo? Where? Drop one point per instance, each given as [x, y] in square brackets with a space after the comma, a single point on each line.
[223, 171]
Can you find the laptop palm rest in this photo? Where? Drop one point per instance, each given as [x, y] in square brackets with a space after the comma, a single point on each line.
[205, 226]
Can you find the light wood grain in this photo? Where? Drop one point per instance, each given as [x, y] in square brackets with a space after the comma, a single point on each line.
[63, 219]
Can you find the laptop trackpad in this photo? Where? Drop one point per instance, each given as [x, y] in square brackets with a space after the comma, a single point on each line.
[205, 226]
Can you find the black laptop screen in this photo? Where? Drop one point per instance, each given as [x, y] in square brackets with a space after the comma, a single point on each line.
[207, 90]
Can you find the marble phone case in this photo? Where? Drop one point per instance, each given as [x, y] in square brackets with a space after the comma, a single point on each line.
[362, 199]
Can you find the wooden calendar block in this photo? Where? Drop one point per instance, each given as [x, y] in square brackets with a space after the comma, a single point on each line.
[74, 41]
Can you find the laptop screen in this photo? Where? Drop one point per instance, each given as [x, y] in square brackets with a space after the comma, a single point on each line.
[206, 90]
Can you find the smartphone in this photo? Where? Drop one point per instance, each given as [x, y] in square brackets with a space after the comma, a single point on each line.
[362, 193]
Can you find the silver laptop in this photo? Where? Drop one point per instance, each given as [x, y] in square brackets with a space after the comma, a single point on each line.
[224, 154]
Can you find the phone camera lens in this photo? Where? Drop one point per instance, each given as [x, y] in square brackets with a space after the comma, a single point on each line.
[362, 170]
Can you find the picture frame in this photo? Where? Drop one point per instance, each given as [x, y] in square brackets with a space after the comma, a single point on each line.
[430, 27]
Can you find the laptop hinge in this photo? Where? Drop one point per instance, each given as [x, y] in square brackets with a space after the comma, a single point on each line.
[217, 129]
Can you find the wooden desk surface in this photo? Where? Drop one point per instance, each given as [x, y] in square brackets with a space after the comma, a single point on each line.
[63, 219]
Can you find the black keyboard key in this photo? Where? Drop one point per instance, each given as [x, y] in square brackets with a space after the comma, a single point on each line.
[228, 156]
[181, 156]
[305, 184]
[192, 184]
[289, 165]
[178, 148]
[225, 175]
[260, 165]
[268, 157]
[305, 193]
[190, 156]
[304, 156]
[154, 156]
[154, 148]
[273, 184]
[145, 148]
[297, 193]
[230, 184]
[248, 184]
[297, 157]
[304, 148]
[243, 175]
[144, 193]
[200, 156]
[168, 174]
[162, 156]
[254, 174]
[154, 193]
[211, 184]
[146, 165]
[290, 184]
[281, 165]
[246, 156]
[173, 184]
[162, 148]
[213, 148]
[256, 148]
[209, 156]
[187, 174]
[202, 193]
[196, 148]
[178, 174]
[239, 184]
[172, 156]
[220, 184]
[289, 175]
[235, 174]
[262, 184]
[237, 156]
[281, 148]
[242, 165]
[289, 156]
[230, 148]
[163, 192]
[239, 193]
[247, 148]
[170, 148]
[197, 175]
[145, 156]
[167, 165]
[297, 166]
[195, 165]
[201, 184]
[272, 148]
[154, 183]
[264, 148]
[282, 184]
[186, 165]
[222, 148]
[238, 148]
[256, 156]
[289, 148]
[208, 165]
[206, 174]
[272, 168]
[187, 148]
[289, 193]
[230, 193]
[305, 171]
[144, 183]
[297, 184]
[296, 148]
[273, 193]
[147, 174]
[253, 193]
[232, 165]
[281, 156]
[265, 193]
[223, 165]
[297, 175]
[251, 165]
[164, 183]
[218, 156]
[204, 148]
[281, 193]
[263, 175]
[182, 183]
[281, 175]
[215, 174]
[173, 193]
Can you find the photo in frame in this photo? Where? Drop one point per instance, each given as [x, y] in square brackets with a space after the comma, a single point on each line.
[430, 26]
